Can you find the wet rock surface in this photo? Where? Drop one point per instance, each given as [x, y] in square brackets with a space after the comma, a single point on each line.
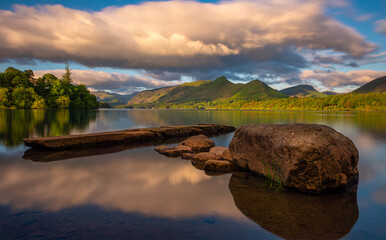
[205, 156]
[130, 137]
[293, 215]
[199, 143]
[220, 166]
[307, 157]
[176, 151]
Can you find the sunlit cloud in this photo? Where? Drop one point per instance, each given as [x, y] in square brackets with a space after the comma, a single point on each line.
[336, 79]
[117, 82]
[174, 34]
[380, 26]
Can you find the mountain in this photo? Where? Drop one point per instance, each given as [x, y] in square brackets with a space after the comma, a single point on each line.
[377, 85]
[330, 93]
[302, 91]
[113, 99]
[220, 88]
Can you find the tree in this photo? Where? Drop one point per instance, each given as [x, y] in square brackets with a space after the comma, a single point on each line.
[24, 97]
[4, 98]
[39, 104]
[67, 75]
[63, 102]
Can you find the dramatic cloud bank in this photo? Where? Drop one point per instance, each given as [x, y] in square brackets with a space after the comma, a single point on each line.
[175, 34]
[124, 83]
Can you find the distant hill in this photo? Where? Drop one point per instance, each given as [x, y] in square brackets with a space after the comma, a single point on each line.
[376, 86]
[329, 93]
[220, 88]
[302, 91]
[113, 99]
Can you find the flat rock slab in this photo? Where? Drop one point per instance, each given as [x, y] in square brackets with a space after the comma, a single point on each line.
[154, 135]
[308, 157]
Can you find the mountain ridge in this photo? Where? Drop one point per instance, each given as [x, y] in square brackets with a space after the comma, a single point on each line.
[220, 88]
[302, 91]
[376, 85]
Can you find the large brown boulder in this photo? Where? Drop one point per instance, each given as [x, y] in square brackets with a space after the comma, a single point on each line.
[199, 143]
[308, 157]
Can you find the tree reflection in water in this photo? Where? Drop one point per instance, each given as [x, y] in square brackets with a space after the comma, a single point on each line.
[21, 123]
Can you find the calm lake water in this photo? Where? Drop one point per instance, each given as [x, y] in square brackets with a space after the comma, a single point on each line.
[140, 194]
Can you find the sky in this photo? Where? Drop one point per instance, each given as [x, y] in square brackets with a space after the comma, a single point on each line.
[129, 46]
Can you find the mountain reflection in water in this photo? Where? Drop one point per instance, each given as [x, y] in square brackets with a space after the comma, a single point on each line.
[293, 215]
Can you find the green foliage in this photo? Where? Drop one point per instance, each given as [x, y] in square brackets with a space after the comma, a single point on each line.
[20, 90]
[343, 102]
[104, 105]
[24, 97]
[272, 176]
[39, 104]
[4, 97]
[62, 102]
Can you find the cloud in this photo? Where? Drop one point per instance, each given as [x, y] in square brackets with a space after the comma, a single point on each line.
[175, 34]
[117, 82]
[335, 79]
[380, 26]
[364, 17]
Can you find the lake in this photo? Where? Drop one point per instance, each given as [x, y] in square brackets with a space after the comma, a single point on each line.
[140, 194]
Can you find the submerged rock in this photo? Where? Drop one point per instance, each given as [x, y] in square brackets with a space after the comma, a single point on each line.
[199, 143]
[293, 215]
[308, 157]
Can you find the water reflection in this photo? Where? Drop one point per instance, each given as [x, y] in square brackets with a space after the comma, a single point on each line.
[139, 180]
[369, 121]
[21, 123]
[294, 215]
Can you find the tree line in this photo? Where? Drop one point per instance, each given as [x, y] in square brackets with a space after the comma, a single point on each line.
[19, 89]
[341, 102]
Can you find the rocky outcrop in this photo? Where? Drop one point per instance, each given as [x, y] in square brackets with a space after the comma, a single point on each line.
[199, 143]
[194, 144]
[293, 215]
[308, 157]
[176, 151]
[130, 137]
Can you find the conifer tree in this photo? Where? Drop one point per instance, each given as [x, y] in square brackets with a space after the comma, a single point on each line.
[67, 75]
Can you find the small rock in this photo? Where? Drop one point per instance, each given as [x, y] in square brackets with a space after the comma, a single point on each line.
[218, 150]
[226, 155]
[219, 166]
[173, 151]
[205, 156]
[198, 143]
